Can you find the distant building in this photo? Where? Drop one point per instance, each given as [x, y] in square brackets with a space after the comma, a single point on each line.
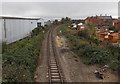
[114, 38]
[15, 28]
[99, 21]
[116, 24]
[48, 23]
[40, 22]
[82, 26]
[74, 25]
[109, 37]
[101, 30]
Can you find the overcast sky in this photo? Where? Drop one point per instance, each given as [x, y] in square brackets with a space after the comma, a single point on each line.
[60, 0]
[59, 9]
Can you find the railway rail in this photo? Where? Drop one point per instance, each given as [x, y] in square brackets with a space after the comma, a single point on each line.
[55, 73]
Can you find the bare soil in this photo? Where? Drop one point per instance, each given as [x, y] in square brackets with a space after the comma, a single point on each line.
[41, 74]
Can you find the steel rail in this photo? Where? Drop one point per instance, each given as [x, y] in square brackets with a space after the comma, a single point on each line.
[54, 69]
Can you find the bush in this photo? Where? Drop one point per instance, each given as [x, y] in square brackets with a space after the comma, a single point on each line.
[19, 58]
[91, 53]
[94, 55]
[37, 30]
[3, 46]
[115, 65]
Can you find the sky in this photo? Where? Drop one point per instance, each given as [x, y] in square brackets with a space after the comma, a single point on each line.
[60, 0]
[50, 10]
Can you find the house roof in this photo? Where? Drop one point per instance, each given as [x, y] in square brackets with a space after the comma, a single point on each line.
[105, 17]
[100, 17]
[114, 34]
[3, 17]
[116, 21]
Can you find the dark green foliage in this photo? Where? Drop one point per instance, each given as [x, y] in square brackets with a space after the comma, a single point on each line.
[113, 28]
[37, 30]
[91, 52]
[56, 22]
[83, 34]
[95, 40]
[20, 58]
[65, 20]
[3, 46]
[96, 55]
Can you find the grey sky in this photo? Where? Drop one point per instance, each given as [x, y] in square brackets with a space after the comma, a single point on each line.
[60, 0]
[58, 10]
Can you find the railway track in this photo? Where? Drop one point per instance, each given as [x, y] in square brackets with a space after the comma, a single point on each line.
[55, 73]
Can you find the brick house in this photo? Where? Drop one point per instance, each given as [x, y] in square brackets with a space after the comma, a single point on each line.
[101, 30]
[114, 38]
[116, 24]
[109, 37]
[82, 27]
[99, 20]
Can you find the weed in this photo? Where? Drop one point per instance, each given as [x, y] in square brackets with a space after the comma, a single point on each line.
[90, 51]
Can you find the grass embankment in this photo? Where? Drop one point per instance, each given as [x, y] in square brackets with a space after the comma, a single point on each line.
[20, 58]
[92, 52]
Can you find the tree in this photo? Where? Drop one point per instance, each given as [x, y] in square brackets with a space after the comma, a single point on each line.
[63, 20]
[55, 22]
[114, 29]
[67, 19]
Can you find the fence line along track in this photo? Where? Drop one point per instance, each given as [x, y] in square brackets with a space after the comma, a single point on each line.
[54, 69]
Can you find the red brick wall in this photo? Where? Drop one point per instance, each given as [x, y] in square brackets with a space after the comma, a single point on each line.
[96, 20]
[113, 38]
[117, 25]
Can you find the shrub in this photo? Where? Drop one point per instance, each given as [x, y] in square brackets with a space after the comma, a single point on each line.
[37, 30]
[3, 45]
[19, 59]
[94, 55]
[115, 66]
[85, 47]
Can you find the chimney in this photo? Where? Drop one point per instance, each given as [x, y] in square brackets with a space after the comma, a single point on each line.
[100, 14]
[105, 14]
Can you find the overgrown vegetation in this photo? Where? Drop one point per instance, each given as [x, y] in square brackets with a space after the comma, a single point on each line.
[114, 29]
[91, 49]
[20, 58]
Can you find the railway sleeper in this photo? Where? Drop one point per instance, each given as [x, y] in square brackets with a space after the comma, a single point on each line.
[56, 80]
[54, 71]
[53, 62]
[55, 74]
[53, 66]
[52, 57]
[55, 77]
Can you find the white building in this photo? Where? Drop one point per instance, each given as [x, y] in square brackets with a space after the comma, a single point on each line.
[80, 24]
[14, 28]
[41, 21]
[48, 23]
